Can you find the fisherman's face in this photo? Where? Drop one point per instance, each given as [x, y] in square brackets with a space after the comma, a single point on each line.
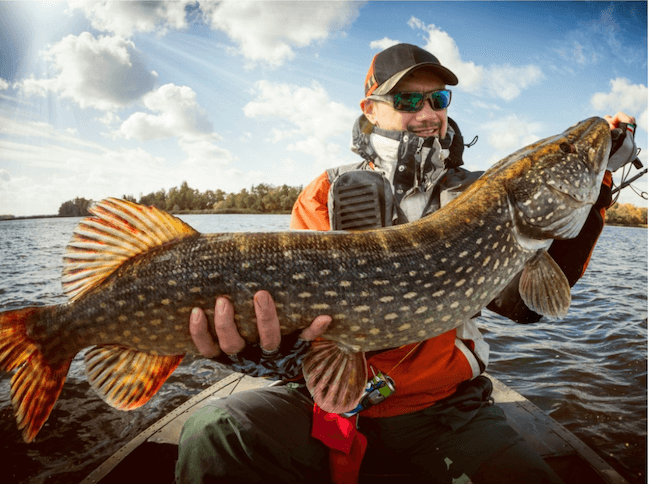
[425, 122]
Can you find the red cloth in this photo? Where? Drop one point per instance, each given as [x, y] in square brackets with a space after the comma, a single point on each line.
[347, 445]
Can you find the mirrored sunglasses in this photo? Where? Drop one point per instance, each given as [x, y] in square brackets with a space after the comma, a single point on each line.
[412, 102]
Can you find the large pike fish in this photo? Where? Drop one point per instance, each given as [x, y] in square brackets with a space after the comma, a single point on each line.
[134, 273]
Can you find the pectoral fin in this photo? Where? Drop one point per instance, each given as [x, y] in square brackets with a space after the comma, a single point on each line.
[544, 287]
[126, 378]
[336, 376]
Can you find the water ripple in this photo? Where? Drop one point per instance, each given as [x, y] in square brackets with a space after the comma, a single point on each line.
[588, 371]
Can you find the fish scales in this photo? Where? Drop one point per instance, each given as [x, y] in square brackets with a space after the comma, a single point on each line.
[134, 274]
[373, 284]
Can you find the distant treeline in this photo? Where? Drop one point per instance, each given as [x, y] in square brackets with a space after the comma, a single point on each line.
[262, 198]
[265, 198]
[626, 214]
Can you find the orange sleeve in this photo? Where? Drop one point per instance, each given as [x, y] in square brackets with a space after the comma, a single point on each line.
[310, 210]
[608, 182]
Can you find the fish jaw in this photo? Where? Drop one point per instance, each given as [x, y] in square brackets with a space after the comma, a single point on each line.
[552, 197]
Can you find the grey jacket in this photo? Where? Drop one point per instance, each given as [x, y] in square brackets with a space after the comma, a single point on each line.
[415, 176]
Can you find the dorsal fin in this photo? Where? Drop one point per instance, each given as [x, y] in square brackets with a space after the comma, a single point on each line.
[118, 231]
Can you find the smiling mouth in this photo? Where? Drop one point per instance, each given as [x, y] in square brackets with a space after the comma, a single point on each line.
[426, 132]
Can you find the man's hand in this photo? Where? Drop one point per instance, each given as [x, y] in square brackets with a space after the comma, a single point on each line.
[618, 119]
[624, 149]
[272, 360]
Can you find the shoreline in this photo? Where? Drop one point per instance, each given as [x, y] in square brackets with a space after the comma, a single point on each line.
[183, 212]
[232, 212]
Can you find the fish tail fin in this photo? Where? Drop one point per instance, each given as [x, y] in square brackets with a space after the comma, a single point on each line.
[336, 375]
[36, 385]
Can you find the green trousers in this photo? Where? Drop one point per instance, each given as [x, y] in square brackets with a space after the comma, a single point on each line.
[263, 435]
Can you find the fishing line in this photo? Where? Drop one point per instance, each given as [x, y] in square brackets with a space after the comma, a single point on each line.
[624, 176]
[405, 356]
[625, 183]
[236, 383]
[624, 179]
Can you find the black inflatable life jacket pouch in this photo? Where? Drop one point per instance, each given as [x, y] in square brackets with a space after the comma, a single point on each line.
[361, 200]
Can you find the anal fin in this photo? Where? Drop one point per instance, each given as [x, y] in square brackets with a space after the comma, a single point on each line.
[336, 376]
[544, 288]
[126, 378]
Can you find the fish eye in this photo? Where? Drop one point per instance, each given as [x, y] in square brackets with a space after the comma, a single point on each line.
[567, 147]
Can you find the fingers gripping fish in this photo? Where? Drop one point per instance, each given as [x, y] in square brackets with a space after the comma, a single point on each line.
[134, 273]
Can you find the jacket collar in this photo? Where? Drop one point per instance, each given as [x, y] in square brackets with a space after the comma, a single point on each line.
[362, 129]
[409, 161]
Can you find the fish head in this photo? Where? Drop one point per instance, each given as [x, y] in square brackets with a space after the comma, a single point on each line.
[554, 182]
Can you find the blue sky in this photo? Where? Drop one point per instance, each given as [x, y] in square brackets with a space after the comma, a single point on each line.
[103, 99]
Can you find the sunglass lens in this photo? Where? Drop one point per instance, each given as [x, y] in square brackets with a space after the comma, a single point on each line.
[441, 99]
[414, 101]
[408, 101]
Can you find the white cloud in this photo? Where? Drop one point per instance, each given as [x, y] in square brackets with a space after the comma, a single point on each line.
[109, 118]
[205, 154]
[502, 81]
[78, 174]
[178, 114]
[286, 166]
[50, 166]
[483, 105]
[105, 73]
[265, 31]
[642, 121]
[12, 129]
[313, 119]
[511, 132]
[269, 31]
[3, 84]
[383, 44]
[309, 109]
[126, 18]
[577, 53]
[624, 96]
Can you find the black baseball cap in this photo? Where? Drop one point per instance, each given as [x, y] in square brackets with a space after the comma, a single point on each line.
[391, 65]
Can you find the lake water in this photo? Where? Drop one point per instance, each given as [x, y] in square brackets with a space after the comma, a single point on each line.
[588, 371]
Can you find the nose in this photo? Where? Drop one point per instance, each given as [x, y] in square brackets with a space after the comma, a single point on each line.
[427, 111]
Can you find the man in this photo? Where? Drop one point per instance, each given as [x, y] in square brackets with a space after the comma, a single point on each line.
[439, 425]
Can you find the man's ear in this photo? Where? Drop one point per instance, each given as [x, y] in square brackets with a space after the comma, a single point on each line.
[369, 109]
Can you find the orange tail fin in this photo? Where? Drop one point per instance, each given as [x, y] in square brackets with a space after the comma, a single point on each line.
[36, 385]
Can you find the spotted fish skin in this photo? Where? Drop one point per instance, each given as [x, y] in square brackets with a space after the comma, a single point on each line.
[383, 288]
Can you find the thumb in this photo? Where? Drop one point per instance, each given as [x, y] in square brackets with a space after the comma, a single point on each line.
[316, 329]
